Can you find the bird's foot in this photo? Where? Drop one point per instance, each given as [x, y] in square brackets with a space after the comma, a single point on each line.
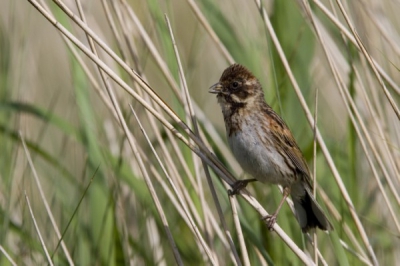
[270, 220]
[239, 185]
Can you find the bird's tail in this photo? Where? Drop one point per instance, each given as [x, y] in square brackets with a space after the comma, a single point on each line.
[308, 212]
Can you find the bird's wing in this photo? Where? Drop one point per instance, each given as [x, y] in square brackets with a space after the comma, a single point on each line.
[284, 138]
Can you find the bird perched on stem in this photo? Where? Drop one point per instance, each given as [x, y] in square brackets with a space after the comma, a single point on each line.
[264, 146]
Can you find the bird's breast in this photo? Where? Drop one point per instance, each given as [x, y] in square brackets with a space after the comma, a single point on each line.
[254, 149]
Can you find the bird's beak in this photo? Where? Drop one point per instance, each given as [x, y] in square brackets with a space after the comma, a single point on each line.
[216, 88]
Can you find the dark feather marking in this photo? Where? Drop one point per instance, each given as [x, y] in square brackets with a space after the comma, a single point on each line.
[285, 140]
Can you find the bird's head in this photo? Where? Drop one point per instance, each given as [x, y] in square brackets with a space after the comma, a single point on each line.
[237, 85]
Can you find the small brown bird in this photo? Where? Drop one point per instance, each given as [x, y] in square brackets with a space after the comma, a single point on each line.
[264, 146]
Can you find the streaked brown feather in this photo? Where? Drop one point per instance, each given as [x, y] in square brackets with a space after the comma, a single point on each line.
[284, 138]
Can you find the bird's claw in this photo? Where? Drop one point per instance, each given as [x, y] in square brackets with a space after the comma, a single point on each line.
[270, 220]
[237, 186]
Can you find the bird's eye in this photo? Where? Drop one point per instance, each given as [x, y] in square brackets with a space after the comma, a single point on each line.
[235, 84]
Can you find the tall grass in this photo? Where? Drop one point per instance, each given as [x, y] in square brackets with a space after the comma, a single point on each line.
[112, 152]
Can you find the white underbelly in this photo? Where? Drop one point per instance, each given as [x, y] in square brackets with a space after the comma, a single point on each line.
[259, 158]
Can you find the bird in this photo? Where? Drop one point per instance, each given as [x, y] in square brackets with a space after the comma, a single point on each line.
[264, 146]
